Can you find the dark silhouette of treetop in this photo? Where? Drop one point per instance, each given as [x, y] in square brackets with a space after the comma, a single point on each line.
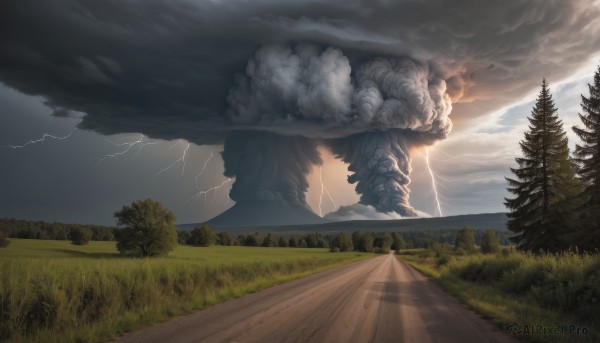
[587, 158]
[545, 179]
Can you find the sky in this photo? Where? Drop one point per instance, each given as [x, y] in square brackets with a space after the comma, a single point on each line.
[142, 96]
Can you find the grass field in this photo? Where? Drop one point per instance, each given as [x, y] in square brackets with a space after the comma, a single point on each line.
[52, 291]
[538, 291]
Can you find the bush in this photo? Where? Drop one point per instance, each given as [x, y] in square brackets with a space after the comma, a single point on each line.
[149, 229]
[485, 269]
[334, 249]
[80, 236]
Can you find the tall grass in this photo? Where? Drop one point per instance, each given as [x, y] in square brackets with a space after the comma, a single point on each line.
[567, 282]
[509, 287]
[57, 292]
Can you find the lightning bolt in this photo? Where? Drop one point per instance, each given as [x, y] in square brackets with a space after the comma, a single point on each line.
[434, 186]
[206, 191]
[181, 159]
[128, 146]
[203, 169]
[40, 140]
[324, 190]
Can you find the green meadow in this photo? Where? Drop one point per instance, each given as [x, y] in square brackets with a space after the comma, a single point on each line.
[52, 291]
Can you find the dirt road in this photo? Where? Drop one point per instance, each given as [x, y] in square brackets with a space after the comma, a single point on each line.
[377, 300]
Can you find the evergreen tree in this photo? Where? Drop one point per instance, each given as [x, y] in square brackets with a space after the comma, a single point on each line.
[545, 182]
[587, 158]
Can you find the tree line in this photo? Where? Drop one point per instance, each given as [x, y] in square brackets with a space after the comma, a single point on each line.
[556, 203]
[16, 228]
[148, 229]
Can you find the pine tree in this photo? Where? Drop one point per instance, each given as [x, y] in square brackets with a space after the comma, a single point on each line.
[540, 213]
[587, 158]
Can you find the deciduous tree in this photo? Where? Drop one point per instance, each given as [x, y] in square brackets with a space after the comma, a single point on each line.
[148, 229]
[489, 243]
[465, 240]
[202, 236]
[342, 242]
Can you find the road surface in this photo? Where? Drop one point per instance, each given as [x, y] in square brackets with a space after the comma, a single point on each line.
[377, 300]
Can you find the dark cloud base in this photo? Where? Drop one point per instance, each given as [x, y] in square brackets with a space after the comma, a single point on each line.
[369, 77]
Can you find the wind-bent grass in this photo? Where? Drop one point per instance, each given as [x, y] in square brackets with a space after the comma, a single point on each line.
[548, 291]
[51, 291]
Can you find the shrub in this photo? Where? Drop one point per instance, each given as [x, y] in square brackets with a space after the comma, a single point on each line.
[484, 269]
[80, 236]
[334, 249]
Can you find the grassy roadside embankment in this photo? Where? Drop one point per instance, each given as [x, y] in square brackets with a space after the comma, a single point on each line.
[543, 294]
[52, 291]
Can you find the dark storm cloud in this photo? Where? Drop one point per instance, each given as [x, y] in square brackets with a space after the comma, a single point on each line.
[380, 164]
[307, 90]
[370, 77]
[166, 68]
[269, 167]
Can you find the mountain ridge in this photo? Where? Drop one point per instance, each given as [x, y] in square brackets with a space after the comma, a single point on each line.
[495, 221]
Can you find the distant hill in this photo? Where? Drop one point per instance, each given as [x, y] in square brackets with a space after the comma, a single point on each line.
[264, 213]
[496, 221]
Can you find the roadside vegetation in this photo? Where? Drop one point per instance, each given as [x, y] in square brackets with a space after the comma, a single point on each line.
[513, 287]
[54, 291]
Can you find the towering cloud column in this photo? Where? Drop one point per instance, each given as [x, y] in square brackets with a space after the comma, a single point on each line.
[381, 166]
[368, 114]
[269, 167]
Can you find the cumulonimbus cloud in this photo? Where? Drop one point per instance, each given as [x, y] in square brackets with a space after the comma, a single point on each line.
[376, 76]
